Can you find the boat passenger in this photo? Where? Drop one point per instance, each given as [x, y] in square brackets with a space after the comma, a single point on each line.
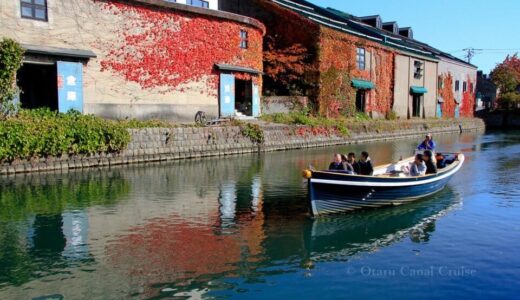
[427, 144]
[418, 167]
[338, 164]
[431, 168]
[365, 164]
[351, 159]
[349, 166]
[441, 161]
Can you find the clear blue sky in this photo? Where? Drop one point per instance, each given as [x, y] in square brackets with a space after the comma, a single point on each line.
[450, 25]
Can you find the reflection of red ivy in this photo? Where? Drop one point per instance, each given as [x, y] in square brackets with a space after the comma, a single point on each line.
[446, 92]
[166, 48]
[338, 51]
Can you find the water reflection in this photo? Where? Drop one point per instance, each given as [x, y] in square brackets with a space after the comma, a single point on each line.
[197, 228]
[43, 225]
[184, 256]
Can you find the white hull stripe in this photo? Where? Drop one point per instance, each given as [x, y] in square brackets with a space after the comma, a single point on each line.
[388, 184]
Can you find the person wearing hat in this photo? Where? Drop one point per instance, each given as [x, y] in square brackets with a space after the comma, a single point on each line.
[427, 144]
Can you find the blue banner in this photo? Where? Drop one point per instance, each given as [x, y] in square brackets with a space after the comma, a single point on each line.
[227, 95]
[256, 101]
[70, 86]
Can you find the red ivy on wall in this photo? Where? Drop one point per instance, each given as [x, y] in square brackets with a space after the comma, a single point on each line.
[468, 100]
[167, 48]
[338, 54]
[446, 92]
[290, 48]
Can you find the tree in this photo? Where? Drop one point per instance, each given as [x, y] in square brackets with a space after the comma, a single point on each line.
[11, 56]
[506, 76]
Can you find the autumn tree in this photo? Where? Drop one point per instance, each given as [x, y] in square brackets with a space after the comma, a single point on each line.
[506, 76]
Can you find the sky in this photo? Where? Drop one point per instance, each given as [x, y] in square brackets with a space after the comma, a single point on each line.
[450, 25]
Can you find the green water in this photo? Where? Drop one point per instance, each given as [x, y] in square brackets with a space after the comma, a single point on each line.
[238, 227]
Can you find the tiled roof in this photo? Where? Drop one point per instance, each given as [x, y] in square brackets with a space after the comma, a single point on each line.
[350, 24]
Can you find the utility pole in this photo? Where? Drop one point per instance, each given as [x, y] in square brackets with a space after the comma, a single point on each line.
[470, 53]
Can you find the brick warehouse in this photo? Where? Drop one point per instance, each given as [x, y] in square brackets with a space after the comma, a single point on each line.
[359, 62]
[158, 59]
[136, 59]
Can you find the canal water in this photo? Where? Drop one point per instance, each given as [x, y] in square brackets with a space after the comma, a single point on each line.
[238, 227]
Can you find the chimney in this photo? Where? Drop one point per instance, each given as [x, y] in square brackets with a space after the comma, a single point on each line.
[391, 27]
[406, 32]
[374, 21]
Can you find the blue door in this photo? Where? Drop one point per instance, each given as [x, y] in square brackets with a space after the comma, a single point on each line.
[70, 86]
[227, 95]
[439, 110]
[256, 101]
[457, 111]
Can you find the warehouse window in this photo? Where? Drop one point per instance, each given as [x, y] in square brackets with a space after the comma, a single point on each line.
[464, 86]
[360, 58]
[244, 39]
[418, 69]
[34, 9]
[457, 85]
[199, 3]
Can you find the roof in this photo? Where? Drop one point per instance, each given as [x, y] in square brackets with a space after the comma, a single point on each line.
[369, 17]
[204, 11]
[232, 68]
[55, 51]
[350, 24]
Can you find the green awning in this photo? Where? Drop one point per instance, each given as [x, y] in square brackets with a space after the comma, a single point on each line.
[362, 84]
[418, 90]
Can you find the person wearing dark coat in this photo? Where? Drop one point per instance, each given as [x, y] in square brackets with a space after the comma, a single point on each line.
[338, 164]
[365, 165]
[441, 161]
[351, 159]
[349, 166]
[431, 168]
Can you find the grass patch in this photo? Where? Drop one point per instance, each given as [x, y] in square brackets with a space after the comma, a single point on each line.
[302, 118]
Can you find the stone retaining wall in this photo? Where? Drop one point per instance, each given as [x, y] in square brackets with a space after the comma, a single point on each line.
[502, 120]
[164, 144]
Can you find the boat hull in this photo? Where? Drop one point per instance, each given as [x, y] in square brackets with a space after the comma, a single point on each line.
[335, 193]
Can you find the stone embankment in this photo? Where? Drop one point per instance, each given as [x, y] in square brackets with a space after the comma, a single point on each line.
[166, 144]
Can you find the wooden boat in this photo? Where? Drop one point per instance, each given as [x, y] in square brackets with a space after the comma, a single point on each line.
[335, 192]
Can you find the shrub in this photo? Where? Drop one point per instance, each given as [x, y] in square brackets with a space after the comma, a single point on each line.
[136, 124]
[11, 55]
[252, 131]
[361, 116]
[41, 132]
[391, 116]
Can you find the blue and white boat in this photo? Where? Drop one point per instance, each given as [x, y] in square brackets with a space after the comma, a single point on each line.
[335, 192]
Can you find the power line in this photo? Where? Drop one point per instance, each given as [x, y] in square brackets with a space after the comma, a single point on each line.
[486, 50]
[471, 52]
